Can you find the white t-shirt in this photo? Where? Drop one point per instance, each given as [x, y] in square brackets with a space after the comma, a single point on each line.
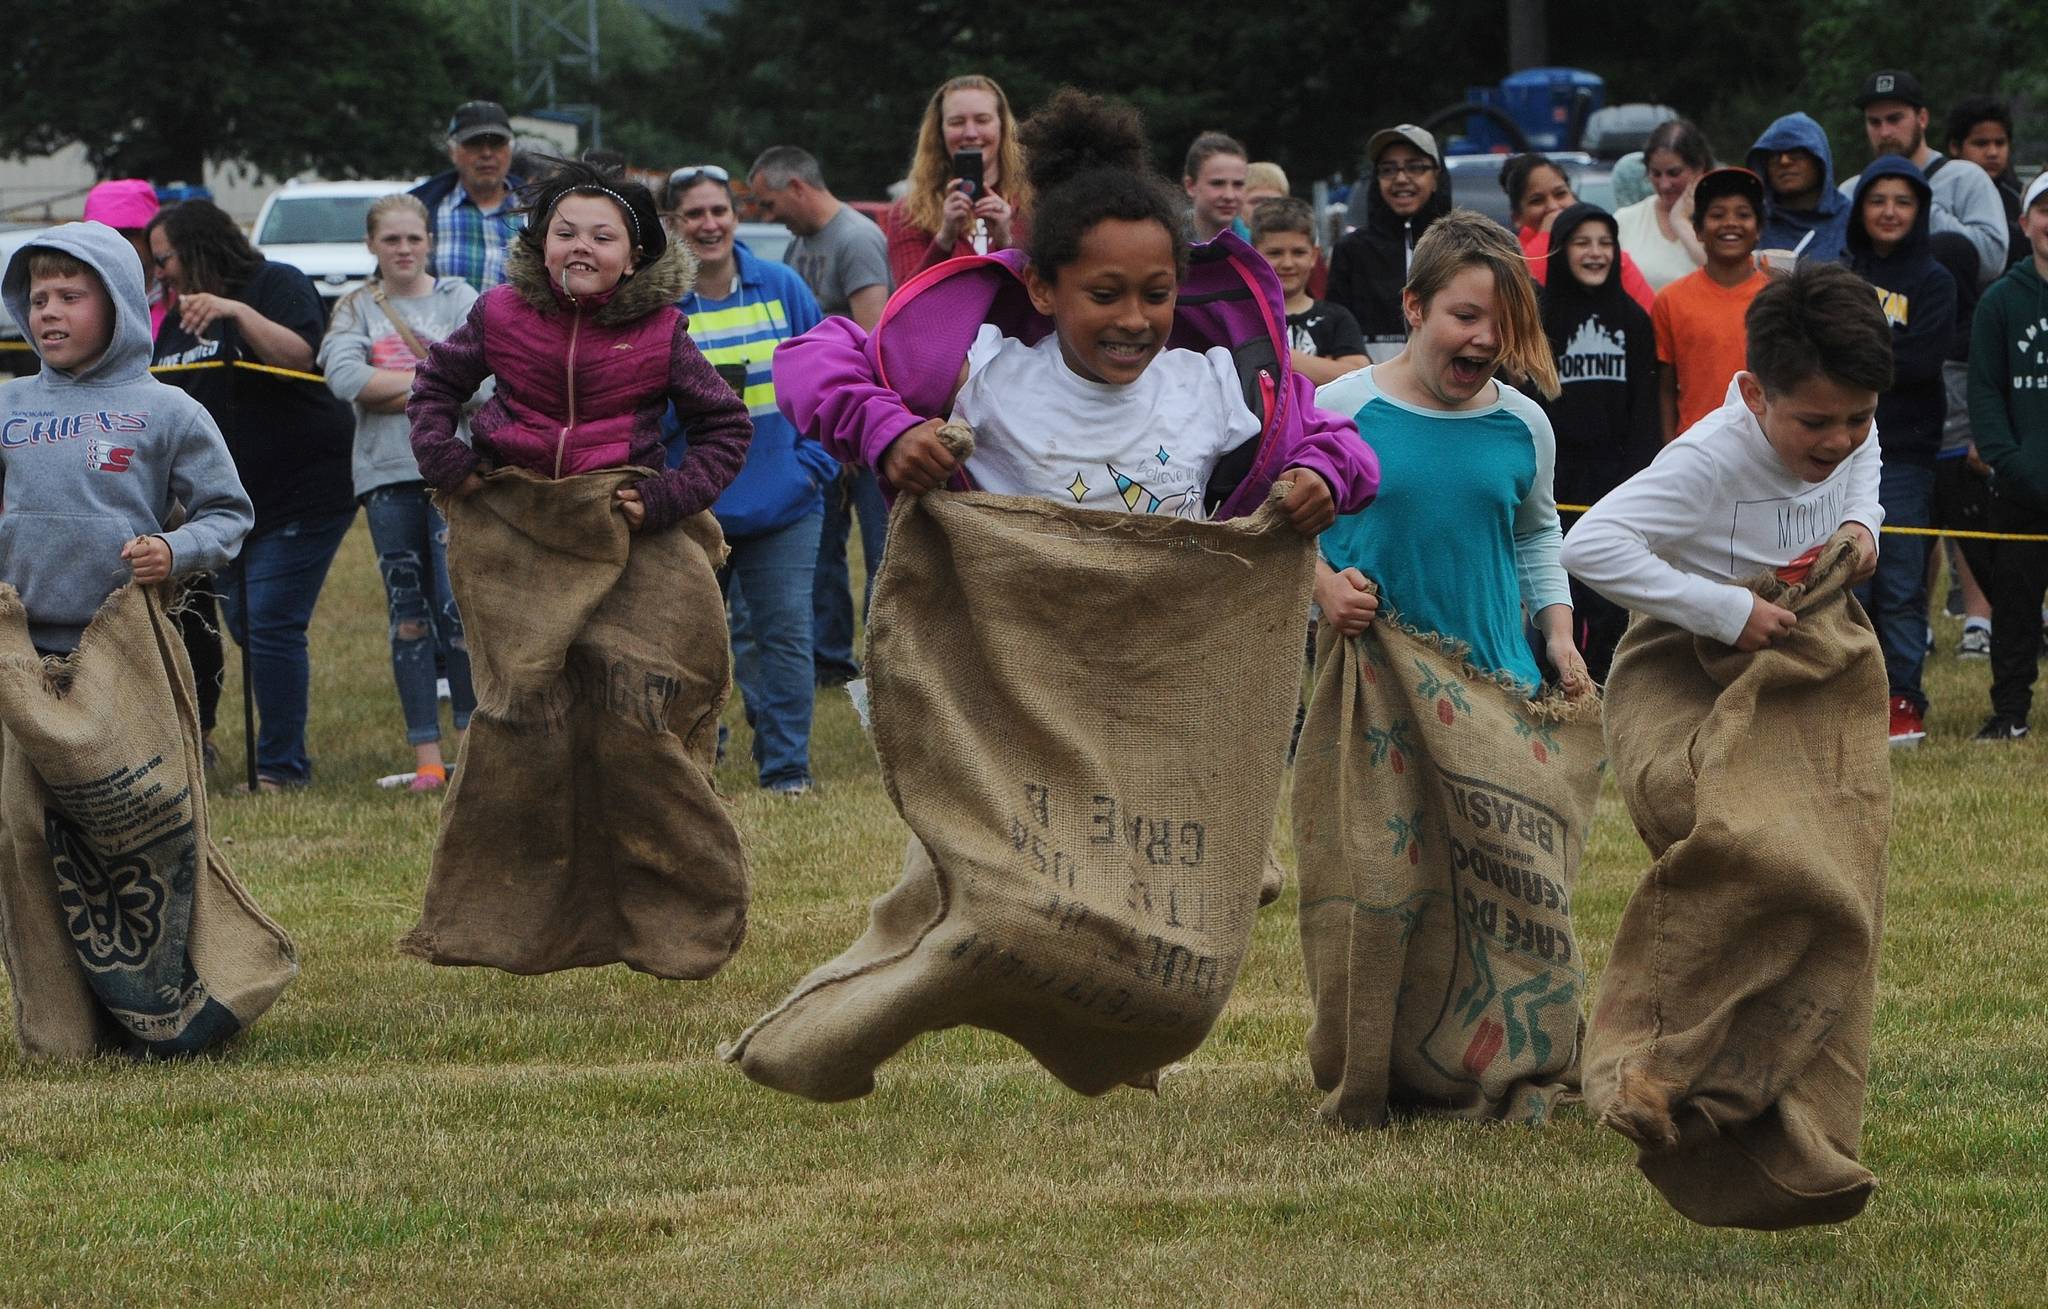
[1661, 261]
[1715, 507]
[1149, 447]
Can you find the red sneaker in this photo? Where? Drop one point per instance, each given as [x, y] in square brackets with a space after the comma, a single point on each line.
[1907, 727]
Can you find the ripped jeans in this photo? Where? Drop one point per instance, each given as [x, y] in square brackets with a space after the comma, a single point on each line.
[412, 553]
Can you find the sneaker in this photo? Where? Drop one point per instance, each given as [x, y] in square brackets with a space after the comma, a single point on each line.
[1907, 727]
[2000, 728]
[1930, 638]
[441, 691]
[1976, 642]
[790, 790]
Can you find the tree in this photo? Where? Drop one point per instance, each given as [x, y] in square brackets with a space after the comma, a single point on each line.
[157, 88]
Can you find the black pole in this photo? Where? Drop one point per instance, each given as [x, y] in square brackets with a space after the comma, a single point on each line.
[248, 692]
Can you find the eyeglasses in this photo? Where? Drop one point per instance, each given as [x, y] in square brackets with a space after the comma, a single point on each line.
[161, 260]
[689, 174]
[1411, 168]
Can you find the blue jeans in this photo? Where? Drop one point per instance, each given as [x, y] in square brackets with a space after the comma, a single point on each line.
[853, 495]
[412, 556]
[282, 572]
[1897, 596]
[768, 578]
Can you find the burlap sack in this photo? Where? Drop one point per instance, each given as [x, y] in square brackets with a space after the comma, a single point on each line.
[1439, 821]
[1733, 1025]
[582, 828]
[122, 926]
[1083, 717]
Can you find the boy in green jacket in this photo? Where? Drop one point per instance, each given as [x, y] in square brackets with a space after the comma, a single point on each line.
[2009, 418]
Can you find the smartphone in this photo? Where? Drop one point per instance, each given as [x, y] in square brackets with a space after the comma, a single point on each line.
[967, 167]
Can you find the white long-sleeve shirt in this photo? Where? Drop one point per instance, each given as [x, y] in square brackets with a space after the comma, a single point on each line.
[1715, 507]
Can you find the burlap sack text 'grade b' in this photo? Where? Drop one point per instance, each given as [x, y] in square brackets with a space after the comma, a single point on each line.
[1439, 820]
[1083, 718]
[121, 925]
[1732, 1033]
[582, 828]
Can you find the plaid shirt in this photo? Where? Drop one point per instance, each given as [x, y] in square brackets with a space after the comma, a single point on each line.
[471, 244]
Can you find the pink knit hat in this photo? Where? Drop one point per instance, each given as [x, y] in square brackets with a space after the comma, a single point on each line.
[127, 202]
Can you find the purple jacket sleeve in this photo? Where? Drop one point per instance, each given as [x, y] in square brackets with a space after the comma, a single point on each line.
[454, 368]
[827, 383]
[718, 429]
[1329, 444]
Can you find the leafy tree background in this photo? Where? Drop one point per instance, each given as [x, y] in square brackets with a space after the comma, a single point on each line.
[153, 87]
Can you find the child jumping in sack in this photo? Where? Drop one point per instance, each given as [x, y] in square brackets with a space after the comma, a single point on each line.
[1760, 482]
[1111, 367]
[589, 350]
[94, 452]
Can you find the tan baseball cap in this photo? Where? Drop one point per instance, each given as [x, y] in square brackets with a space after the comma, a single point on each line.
[1405, 134]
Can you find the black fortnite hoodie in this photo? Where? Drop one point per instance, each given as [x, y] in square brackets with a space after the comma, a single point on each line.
[1919, 300]
[1605, 415]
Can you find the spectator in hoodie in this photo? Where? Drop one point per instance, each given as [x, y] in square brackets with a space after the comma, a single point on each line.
[1888, 247]
[1965, 198]
[1605, 413]
[1538, 191]
[2009, 419]
[1656, 231]
[126, 205]
[1980, 131]
[1803, 212]
[1699, 318]
[1369, 267]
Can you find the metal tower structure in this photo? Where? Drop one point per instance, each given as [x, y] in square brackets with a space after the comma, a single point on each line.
[545, 38]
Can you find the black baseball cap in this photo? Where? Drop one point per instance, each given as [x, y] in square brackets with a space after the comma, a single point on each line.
[479, 118]
[1891, 84]
[1726, 181]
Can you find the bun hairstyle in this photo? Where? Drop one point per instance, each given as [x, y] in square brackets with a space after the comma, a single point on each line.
[567, 177]
[1088, 162]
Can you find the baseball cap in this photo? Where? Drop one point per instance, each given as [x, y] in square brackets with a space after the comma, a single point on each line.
[2036, 190]
[1405, 134]
[1891, 84]
[479, 118]
[1726, 181]
[124, 203]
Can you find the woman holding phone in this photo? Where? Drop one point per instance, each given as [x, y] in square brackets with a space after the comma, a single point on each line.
[967, 190]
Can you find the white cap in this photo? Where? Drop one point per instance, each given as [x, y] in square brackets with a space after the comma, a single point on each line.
[2035, 190]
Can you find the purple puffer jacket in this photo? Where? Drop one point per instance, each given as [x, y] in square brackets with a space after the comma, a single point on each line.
[582, 385]
[857, 392]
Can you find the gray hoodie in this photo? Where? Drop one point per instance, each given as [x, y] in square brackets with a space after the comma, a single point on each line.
[361, 339]
[93, 458]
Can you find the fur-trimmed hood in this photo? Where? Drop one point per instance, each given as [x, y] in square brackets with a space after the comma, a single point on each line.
[665, 281]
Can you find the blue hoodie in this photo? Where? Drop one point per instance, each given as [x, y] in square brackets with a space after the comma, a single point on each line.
[1919, 301]
[91, 459]
[1785, 228]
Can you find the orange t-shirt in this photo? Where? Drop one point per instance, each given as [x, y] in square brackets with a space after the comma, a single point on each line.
[1699, 332]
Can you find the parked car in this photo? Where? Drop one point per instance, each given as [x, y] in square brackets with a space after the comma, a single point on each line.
[317, 228]
[13, 236]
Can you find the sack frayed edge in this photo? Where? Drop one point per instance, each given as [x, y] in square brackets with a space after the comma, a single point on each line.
[1547, 708]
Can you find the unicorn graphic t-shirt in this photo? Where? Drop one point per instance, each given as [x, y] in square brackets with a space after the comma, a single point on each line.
[1147, 447]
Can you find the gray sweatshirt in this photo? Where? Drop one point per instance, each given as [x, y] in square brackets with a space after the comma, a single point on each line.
[361, 339]
[93, 458]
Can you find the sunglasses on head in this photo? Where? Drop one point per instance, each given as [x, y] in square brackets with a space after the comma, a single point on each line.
[692, 173]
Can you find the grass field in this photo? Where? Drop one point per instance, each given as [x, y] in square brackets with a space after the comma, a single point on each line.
[394, 1134]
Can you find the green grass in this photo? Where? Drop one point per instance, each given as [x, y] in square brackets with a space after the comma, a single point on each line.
[394, 1134]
